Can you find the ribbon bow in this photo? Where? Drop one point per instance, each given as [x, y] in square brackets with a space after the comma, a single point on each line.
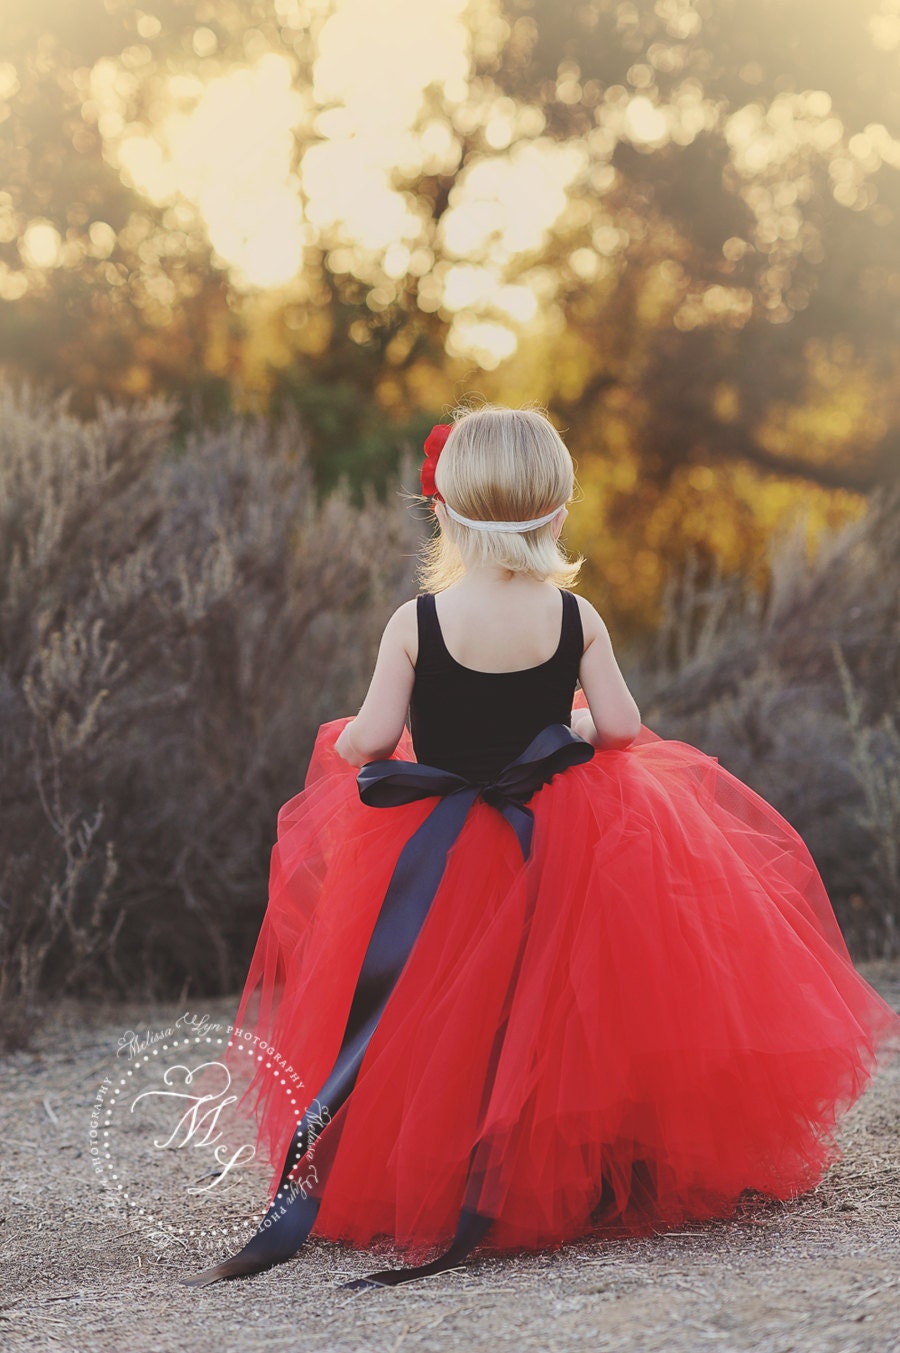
[384, 784]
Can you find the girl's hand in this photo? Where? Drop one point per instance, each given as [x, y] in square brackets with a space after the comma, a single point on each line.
[344, 746]
[583, 725]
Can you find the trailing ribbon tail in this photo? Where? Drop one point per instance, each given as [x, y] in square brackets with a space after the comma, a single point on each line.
[485, 1177]
[292, 1213]
[472, 1227]
[412, 888]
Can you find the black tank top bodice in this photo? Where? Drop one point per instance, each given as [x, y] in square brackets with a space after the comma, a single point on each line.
[474, 723]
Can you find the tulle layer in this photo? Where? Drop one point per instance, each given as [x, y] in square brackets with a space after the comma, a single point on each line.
[654, 1013]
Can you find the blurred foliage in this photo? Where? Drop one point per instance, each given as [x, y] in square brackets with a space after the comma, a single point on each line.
[715, 301]
[175, 624]
[794, 689]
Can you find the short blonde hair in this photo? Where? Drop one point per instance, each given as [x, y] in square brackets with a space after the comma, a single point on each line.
[501, 464]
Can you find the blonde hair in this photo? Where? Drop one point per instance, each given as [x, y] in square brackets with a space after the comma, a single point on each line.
[504, 465]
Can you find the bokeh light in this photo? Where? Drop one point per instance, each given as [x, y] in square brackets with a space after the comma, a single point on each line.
[270, 168]
[231, 155]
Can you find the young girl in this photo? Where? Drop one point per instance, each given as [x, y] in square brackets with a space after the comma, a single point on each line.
[545, 975]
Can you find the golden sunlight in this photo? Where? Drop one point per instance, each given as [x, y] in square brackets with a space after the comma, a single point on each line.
[228, 147]
[231, 155]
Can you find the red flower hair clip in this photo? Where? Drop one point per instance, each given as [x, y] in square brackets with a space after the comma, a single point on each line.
[434, 445]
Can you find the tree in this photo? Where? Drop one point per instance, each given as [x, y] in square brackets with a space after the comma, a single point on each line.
[707, 301]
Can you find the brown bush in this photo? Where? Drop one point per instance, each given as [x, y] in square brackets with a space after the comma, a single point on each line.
[795, 691]
[175, 622]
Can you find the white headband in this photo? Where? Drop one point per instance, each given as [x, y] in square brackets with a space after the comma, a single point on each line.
[517, 527]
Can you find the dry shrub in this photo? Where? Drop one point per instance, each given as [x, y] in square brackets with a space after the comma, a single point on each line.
[795, 691]
[875, 757]
[175, 622]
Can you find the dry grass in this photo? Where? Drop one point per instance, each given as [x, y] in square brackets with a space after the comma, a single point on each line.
[817, 1275]
[175, 622]
[795, 691]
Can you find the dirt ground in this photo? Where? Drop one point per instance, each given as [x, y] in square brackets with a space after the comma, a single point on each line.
[79, 1273]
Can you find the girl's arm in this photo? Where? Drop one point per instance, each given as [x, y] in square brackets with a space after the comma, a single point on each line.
[614, 719]
[375, 732]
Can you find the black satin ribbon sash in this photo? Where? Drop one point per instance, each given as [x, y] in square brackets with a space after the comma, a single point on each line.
[410, 893]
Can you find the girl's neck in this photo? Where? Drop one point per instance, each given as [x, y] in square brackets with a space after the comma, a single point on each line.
[495, 575]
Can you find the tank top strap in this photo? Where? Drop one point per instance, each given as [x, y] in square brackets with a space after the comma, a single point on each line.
[431, 641]
[571, 646]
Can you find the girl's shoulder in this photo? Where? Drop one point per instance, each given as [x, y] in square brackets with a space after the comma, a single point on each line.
[591, 621]
[402, 629]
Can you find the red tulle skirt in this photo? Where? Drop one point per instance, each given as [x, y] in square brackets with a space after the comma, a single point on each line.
[682, 1018]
